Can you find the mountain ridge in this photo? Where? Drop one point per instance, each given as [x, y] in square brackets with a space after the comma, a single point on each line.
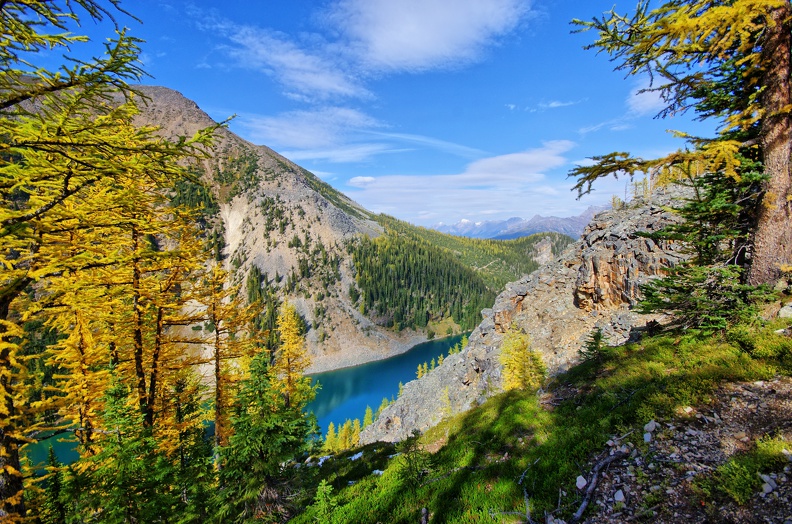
[516, 227]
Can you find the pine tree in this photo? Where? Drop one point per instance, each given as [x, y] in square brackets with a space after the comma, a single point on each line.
[64, 147]
[54, 509]
[355, 438]
[231, 342]
[384, 404]
[345, 435]
[128, 479]
[731, 61]
[267, 432]
[708, 291]
[324, 502]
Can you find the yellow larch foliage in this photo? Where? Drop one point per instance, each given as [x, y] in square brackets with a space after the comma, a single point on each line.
[523, 367]
[291, 358]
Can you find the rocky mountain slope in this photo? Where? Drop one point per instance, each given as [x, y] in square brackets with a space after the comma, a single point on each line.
[280, 218]
[590, 286]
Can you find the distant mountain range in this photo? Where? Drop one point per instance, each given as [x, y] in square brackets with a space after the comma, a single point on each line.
[516, 227]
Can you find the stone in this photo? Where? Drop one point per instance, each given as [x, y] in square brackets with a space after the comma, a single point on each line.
[768, 480]
[650, 426]
[785, 312]
[619, 496]
[581, 482]
[647, 437]
[767, 488]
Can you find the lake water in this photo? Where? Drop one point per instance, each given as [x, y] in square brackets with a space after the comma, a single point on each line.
[344, 393]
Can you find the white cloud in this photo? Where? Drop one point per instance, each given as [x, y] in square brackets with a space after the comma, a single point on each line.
[525, 166]
[416, 35]
[311, 129]
[361, 181]
[338, 134]
[305, 73]
[516, 184]
[555, 104]
[432, 143]
[642, 102]
[341, 154]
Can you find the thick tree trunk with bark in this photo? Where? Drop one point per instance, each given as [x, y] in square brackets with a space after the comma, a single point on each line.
[773, 235]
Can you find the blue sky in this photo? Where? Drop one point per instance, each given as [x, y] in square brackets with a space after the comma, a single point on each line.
[428, 110]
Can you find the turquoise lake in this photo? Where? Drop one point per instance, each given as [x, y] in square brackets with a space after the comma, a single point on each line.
[344, 393]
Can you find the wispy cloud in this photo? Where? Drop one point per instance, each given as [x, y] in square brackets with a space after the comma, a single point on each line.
[643, 101]
[418, 35]
[339, 134]
[361, 38]
[361, 181]
[432, 143]
[639, 103]
[355, 42]
[502, 186]
[347, 153]
[309, 129]
[304, 73]
[555, 104]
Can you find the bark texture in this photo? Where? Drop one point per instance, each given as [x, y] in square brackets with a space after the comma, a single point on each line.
[773, 236]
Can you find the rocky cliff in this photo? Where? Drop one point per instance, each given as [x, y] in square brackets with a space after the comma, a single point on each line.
[592, 285]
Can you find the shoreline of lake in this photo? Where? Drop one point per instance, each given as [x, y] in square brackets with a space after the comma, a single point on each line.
[350, 359]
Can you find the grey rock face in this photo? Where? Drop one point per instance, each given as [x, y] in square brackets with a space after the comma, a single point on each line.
[591, 285]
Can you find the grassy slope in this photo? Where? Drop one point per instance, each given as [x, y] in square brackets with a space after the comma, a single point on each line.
[474, 475]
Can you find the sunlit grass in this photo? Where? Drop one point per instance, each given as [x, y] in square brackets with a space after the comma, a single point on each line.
[475, 475]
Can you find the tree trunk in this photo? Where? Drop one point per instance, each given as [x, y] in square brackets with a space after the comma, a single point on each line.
[773, 235]
[137, 313]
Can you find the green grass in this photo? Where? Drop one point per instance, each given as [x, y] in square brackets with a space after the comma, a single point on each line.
[739, 478]
[474, 475]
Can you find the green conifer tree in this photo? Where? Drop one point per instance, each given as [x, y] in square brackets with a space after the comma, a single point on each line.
[267, 432]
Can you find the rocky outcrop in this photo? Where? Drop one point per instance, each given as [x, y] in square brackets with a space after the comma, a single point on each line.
[615, 261]
[591, 285]
[543, 251]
